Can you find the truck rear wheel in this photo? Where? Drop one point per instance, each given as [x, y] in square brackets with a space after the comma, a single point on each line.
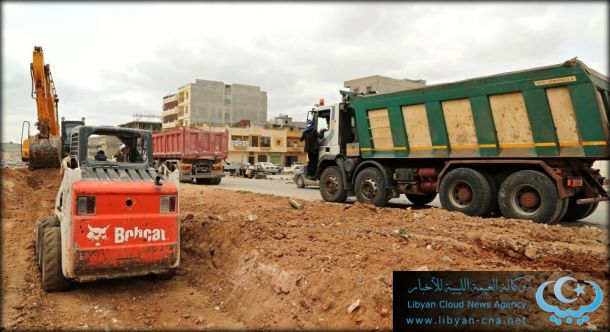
[493, 209]
[215, 181]
[465, 190]
[41, 225]
[53, 278]
[577, 212]
[331, 185]
[203, 181]
[371, 187]
[530, 195]
[420, 199]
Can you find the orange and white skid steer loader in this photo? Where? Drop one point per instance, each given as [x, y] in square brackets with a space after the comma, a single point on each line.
[115, 215]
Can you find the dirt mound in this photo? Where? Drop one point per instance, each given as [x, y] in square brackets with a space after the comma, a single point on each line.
[252, 261]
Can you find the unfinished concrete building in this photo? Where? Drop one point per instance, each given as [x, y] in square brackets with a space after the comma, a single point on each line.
[214, 103]
[382, 84]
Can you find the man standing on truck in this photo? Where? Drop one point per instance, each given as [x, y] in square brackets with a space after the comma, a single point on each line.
[312, 146]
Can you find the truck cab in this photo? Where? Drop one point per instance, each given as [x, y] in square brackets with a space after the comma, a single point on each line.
[114, 216]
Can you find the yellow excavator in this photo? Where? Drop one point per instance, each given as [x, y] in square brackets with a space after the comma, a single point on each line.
[46, 148]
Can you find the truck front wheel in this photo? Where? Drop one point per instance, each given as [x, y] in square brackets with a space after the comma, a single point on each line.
[465, 190]
[530, 195]
[371, 187]
[53, 278]
[331, 185]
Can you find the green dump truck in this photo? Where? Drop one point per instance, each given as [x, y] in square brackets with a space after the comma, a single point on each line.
[521, 144]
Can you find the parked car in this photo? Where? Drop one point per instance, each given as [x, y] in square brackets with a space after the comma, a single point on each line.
[301, 181]
[233, 167]
[268, 167]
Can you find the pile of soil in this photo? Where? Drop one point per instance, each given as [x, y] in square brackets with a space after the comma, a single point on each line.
[253, 261]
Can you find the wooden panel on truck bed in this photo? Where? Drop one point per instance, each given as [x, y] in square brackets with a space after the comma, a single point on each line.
[460, 125]
[512, 124]
[381, 134]
[417, 127]
[563, 116]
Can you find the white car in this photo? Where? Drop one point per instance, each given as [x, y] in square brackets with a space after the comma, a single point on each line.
[269, 168]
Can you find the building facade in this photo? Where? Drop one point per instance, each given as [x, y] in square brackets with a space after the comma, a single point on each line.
[272, 142]
[144, 121]
[214, 103]
[382, 84]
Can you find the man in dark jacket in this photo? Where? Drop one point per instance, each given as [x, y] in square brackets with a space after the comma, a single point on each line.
[312, 147]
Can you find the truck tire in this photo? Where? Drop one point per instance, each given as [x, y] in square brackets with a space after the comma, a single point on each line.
[494, 208]
[203, 181]
[41, 225]
[215, 181]
[465, 190]
[332, 188]
[371, 187]
[53, 278]
[577, 212]
[420, 200]
[300, 181]
[530, 195]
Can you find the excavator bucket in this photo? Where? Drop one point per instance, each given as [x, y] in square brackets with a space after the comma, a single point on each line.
[44, 152]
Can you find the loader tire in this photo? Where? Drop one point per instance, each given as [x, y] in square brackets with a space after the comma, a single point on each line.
[420, 200]
[53, 278]
[332, 188]
[465, 190]
[531, 195]
[371, 187]
[41, 225]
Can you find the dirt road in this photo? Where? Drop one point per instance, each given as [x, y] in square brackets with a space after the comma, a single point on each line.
[252, 261]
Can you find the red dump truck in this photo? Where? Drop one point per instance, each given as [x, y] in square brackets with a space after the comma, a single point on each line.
[196, 154]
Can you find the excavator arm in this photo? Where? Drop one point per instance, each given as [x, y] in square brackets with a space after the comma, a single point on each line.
[43, 91]
[43, 149]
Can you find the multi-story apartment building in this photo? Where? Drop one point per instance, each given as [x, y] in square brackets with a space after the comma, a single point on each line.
[214, 103]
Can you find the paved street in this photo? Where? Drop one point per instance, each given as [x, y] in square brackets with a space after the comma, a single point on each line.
[282, 185]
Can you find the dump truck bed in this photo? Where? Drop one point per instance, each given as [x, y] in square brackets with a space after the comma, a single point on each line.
[190, 144]
[554, 111]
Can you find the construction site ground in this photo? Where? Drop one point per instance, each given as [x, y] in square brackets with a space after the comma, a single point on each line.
[251, 260]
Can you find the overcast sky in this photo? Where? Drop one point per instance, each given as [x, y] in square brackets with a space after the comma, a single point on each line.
[112, 60]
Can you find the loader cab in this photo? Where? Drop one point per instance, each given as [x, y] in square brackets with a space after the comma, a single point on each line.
[101, 146]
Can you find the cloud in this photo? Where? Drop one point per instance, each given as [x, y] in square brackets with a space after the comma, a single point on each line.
[112, 60]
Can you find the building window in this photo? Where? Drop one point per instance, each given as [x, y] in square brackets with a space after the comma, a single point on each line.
[255, 141]
[266, 142]
[186, 109]
[227, 101]
[262, 158]
[186, 95]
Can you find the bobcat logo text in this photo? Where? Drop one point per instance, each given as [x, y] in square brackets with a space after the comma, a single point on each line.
[121, 235]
